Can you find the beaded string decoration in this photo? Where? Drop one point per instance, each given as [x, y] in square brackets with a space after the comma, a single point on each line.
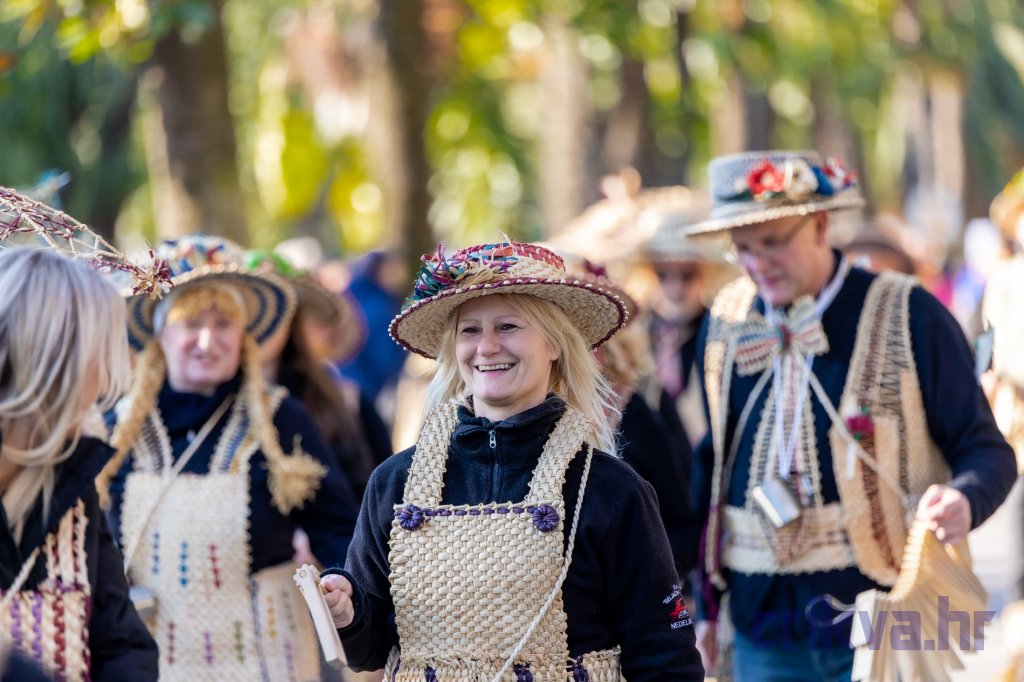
[23, 218]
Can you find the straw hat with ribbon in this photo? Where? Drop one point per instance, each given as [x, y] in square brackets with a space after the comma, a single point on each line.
[445, 282]
[196, 258]
[336, 310]
[755, 187]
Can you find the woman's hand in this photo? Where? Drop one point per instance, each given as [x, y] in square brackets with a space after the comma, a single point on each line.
[338, 595]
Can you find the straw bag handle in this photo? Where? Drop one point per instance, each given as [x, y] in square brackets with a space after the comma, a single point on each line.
[561, 576]
[178, 467]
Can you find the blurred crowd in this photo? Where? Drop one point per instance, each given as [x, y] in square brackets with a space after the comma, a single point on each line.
[298, 387]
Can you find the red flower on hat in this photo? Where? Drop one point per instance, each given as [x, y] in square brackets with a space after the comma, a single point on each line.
[765, 178]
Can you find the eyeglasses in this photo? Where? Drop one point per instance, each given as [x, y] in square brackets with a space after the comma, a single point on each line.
[770, 246]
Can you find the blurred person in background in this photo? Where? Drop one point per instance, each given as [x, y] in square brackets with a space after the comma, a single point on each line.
[377, 280]
[983, 250]
[65, 606]
[689, 272]
[298, 357]
[655, 445]
[875, 252]
[215, 470]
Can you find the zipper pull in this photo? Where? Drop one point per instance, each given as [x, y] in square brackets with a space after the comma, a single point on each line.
[493, 439]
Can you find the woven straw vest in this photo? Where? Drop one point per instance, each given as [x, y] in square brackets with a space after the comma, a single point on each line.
[468, 581]
[882, 382]
[214, 621]
[50, 623]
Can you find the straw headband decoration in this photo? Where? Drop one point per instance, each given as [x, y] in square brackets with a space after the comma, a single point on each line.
[201, 258]
[21, 215]
[444, 282]
[756, 187]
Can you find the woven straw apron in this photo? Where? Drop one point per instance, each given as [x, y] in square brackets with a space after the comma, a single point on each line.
[469, 581]
[214, 621]
[50, 623]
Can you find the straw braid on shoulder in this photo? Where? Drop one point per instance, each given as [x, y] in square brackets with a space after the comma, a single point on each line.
[294, 478]
[150, 372]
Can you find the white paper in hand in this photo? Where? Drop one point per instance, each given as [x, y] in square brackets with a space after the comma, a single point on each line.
[308, 580]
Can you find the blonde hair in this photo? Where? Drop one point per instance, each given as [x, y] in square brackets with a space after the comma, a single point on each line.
[576, 377]
[293, 478]
[62, 326]
[224, 298]
[626, 358]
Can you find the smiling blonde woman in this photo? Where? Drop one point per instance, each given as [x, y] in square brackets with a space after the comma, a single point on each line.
[509, 544]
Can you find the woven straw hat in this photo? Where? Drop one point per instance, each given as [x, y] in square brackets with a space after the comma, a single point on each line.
[445, 282]
[202, 258]
[317, 302]
[755, 187]
[1007, 208]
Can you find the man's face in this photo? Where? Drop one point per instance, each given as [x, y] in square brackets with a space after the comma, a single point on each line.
[785, 256]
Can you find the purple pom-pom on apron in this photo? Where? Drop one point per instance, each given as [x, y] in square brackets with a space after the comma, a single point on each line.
[545, 517]
[410, 517]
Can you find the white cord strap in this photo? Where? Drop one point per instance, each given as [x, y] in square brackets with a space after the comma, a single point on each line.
[186, 456]
[557, 589]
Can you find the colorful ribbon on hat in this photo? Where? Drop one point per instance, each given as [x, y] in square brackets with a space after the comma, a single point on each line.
[758, 340]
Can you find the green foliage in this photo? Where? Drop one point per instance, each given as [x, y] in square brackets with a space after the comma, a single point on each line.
[56, 114]
[847, 55]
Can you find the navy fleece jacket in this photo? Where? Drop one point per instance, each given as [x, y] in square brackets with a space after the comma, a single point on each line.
[622, 588]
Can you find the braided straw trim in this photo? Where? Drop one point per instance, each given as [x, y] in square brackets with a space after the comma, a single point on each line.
[426, 473]
[732, 305]
[132, 411]
[895, 467]
[815, 541]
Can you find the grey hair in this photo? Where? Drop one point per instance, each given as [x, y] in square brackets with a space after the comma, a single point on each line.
[62, 326]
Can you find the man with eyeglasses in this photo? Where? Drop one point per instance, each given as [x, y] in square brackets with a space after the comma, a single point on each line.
[840, 403]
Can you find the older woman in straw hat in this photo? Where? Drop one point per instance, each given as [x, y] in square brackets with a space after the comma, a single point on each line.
[215, 470]
[507, 545]
[65, 604]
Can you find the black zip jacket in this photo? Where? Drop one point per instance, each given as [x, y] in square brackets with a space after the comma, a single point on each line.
[622, 588]
[119, 644]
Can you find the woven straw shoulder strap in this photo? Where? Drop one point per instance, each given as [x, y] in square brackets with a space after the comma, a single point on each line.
[426, 474]
[564, 442]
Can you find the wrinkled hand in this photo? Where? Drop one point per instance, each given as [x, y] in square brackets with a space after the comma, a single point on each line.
[948, 512]
[707, 644]
[338, 595]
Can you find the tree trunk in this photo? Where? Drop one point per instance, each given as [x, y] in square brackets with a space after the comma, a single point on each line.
[400, 105]
[564, 137]
[190, 138]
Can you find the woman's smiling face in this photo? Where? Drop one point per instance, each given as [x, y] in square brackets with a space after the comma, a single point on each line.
[503, 358]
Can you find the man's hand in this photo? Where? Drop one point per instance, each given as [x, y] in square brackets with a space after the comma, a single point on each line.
[338, 595]
[948, 512]
[707, 644]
